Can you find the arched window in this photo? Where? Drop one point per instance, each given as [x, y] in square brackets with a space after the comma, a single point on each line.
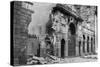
[72, 28]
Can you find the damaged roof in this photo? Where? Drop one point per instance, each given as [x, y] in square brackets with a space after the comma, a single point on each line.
[67, 10]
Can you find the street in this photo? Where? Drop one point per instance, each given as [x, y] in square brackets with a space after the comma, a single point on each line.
[89, 58]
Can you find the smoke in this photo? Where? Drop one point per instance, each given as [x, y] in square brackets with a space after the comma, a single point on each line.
[40, 17]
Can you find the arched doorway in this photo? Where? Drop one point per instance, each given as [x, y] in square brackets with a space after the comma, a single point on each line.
[71, 40]
[62, 47]
[88, 44]
[80, 48]
[84, 43]
[94, 46]
[91, 44]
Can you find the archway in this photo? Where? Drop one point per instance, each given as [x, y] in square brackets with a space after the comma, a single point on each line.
[62, 47]
[71, 40]
[79, 47]
[72, 28]
[88, 44]
[84, 43]
[91, 44]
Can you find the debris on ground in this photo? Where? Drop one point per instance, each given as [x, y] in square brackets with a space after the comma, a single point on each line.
[53, 59]
[36, 60]
[49, 59]
[90, 57]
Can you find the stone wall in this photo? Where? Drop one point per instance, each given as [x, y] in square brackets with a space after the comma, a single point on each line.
[21, 20]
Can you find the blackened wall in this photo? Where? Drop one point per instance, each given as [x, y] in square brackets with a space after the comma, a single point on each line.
[20, 21]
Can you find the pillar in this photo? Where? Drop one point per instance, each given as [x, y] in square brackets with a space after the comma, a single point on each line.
[90, 45]
[66, 41]
[77, 47]
[85, 45]
[82, 48]
[59, 49]
[94, 45]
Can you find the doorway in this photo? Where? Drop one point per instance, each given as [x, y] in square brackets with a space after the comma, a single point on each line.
[79, 48]
[71, 40]
[62, 47]
[88, 44]
[91, 44]
[83, 43]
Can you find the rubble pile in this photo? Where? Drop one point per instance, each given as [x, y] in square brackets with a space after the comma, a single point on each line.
[54, 59]
[49, 59]
[36, 60]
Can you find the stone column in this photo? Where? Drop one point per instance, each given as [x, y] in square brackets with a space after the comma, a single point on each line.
[66, 49]
[56, 49]
[94, 45]
[66, 41]
[86, 46]
[77, 47]
[90, 46]
[59, 49]
[81, 47]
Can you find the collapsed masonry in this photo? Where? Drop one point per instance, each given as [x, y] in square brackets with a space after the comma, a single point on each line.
[64, 35]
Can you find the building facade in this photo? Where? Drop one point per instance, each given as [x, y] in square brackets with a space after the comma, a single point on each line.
[88, 30]
[73, 32]
[65, 25]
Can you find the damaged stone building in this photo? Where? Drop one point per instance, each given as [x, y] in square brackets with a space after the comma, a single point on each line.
[74, 30]
[87, 30]
[68, 33]
[65, 24]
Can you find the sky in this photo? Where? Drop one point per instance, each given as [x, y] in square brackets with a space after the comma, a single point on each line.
[40, 16]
